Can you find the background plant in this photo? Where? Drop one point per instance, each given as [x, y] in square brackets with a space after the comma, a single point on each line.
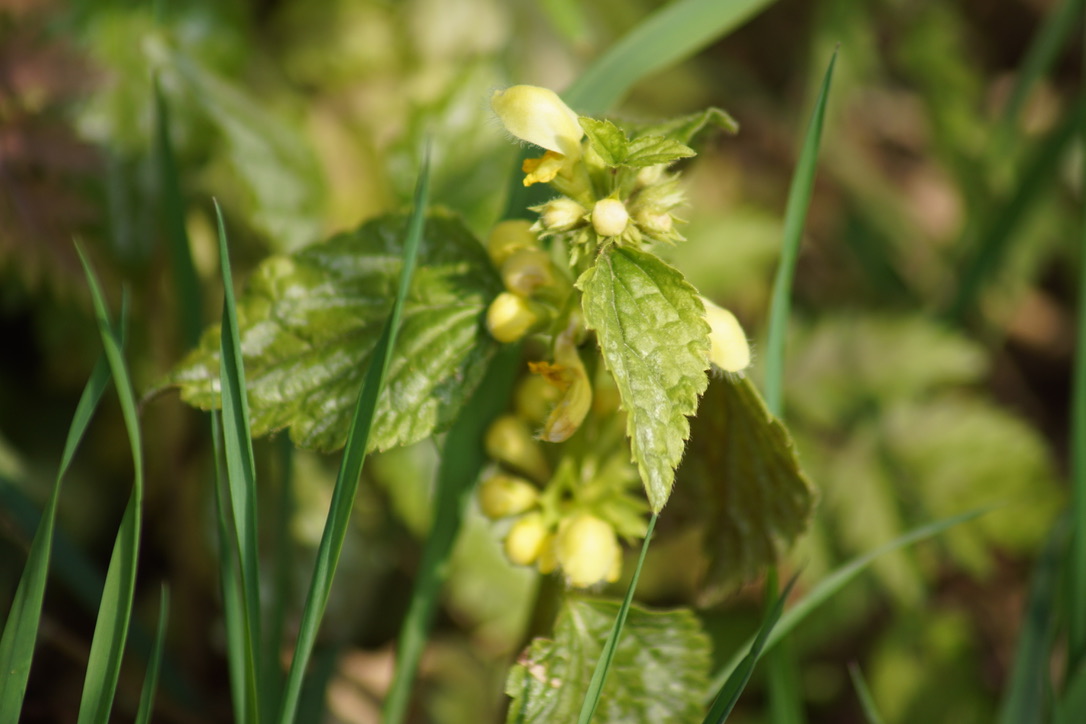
[947, 185]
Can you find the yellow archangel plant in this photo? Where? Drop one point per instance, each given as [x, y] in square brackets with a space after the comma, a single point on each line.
[563, 475]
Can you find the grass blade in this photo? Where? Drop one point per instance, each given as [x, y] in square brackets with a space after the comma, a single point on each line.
[186, 284]
[1042, 53]
[462, 459]
[21, 626]
[240, 476]
[795, 214]
[150, 681]
[675, 31]
[867, 702]
[1026, 693]
[839, 578]
[999, 227]
[354, 455]
[230, 582]
[115, 610]
[599, 675]
[733, 686]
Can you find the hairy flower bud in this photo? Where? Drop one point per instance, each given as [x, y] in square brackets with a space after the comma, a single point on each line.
[729, 349]
[504, 495]
[537, 115]
[526, 270]
[526, 539]
[561, 214]
[510, 317]
[587, 549]
[509, 237]
[609, 217]
[509, 441]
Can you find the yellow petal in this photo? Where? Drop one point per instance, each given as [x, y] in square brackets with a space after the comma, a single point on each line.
[537, 115]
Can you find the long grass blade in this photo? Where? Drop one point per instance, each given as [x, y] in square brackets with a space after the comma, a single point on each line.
[1042, 53]
[186, 284]
[867, 702]
[354, 455]
[603, 665]
[998, 228]
[115, 610]
[675, 31]
[240, 476]
[838, 579]
[1026, 693]
[150, 681]
[230, 582]
[733, 686]
[462, 459]
[795, 215]
[1076, 588]
[21, 626]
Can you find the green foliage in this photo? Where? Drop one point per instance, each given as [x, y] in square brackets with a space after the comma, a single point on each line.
[657, 673]
[741, 484]
[309, 323]
[611, 143]
[655, 342]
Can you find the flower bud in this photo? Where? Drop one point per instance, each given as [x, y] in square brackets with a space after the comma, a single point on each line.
[609, 217]
[729, 349]
[534, 398]
[507, 238]
[561, 214]
[526, 539]
[526, 270]
[509, 441]
[537, 115]
[654, 222]
[510, 317]
[587, 549]
[504, 495]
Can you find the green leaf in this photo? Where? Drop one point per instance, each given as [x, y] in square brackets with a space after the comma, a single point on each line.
[684, 128]
[607, 139]
[657, 674]
[655, 342]
[611, 143]
[309, 323]
[742, 479]
[652, 150]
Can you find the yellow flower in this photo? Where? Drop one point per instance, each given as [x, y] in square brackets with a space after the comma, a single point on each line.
[510, 317]
[568, 375]
[729, 349]
[588, 550]
[526, 540]
[503, 495]
[537, 115]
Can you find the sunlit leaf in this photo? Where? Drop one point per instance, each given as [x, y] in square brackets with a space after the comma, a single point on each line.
[655, 342]
[741, 478]
[657, 674]
[309, 322]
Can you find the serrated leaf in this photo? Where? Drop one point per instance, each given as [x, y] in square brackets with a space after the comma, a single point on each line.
[607, 139]
[684, 128]
[652, 150]
[309, 322]
[742, 479]
[657, 674]
[655, 342]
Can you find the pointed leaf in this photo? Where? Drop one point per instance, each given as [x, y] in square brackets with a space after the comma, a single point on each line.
[309, 323]
[684, 128]
[742, 479]
[655, 342]
[652, 150]
[607, 140]
[657, 674]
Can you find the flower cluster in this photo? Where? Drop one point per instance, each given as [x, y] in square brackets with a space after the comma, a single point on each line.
[568, 505]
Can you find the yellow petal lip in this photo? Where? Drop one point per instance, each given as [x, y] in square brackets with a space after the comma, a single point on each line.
[537, 115]
[729, 349]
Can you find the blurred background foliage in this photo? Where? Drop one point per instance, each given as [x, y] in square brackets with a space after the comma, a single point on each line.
[928, 367]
